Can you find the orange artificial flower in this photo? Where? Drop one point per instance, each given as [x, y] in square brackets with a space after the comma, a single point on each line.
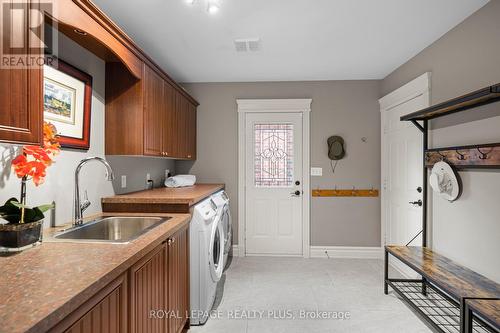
[50, 141]
[35, 159]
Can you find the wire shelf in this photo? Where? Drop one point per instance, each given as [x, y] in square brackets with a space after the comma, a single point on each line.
[444, 314]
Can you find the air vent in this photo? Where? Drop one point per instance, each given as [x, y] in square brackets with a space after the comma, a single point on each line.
[247, 45]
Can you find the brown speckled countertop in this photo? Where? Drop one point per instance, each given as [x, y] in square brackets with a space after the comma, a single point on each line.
[182, 195]
[44, 284]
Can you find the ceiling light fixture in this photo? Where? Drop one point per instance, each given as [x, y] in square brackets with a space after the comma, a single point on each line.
[212, 6]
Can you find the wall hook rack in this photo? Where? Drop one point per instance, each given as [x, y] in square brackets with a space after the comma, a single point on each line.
[346, 192]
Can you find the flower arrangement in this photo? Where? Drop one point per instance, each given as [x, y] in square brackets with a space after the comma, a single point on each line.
[32, 165]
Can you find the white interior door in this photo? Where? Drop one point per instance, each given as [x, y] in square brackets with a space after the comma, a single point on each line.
[403, 181]
[273, 183]
[402, 176]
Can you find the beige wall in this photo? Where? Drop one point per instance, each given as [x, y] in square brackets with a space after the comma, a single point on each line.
[463, 60]
[347, 108]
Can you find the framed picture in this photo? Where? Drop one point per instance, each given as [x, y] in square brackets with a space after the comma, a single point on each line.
[67, 96]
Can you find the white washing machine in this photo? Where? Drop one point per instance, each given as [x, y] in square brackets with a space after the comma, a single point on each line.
[206, 259]
[221, 200]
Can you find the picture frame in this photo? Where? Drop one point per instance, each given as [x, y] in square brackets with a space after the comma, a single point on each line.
[67, 99]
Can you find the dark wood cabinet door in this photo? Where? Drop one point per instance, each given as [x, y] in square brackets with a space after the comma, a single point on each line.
[184, 135]
[169, 131]
[178, 280]
[21, 109]
[179, 124]
[153, 112]
[105, 312]
[191, 132]
[147, 293]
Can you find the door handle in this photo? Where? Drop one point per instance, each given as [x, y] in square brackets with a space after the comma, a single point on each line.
[296, 193]
[416, 203]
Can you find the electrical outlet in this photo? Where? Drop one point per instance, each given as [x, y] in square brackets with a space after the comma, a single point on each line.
[318, 172]
[124, 181]
[148, 177]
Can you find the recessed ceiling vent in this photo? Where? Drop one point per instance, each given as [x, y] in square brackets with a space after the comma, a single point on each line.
[247, 45]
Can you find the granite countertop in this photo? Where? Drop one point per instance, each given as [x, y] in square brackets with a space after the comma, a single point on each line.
[44, 284]
[182, 195]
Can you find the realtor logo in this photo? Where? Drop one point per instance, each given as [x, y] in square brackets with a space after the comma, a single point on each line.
[26, 40]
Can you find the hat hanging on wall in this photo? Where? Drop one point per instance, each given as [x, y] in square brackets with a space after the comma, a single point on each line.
[445, 181]
[336, 150]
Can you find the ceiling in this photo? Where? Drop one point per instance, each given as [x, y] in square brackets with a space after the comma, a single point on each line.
[300, 39]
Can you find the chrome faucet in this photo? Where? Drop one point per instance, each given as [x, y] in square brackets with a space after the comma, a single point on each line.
[81, 207]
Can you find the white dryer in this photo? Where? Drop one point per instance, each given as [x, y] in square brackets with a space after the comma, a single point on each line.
[221, 200]
[206, 259]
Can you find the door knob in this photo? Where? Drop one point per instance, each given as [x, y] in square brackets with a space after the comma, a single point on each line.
[296, 193]
[416, 203]
[297, 183]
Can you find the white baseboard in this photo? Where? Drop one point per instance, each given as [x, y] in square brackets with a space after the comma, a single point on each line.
[353, 252]
[236, 252]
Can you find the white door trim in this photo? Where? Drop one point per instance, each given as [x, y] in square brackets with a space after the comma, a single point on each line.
[421, 86]
[302, 106]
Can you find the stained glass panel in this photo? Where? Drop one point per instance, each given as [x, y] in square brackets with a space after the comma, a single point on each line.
[273, 155]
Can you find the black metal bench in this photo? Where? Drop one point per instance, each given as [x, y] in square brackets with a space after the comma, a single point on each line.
[445, 292]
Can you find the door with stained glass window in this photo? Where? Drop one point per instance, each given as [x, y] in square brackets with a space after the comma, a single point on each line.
[273, 192]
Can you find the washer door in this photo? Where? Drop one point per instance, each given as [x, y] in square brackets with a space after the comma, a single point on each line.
[216, 250]
[228, 229]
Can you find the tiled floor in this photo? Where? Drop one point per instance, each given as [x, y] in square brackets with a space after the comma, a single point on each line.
[283, 287]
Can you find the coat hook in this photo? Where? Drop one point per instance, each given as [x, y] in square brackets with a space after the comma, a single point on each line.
[461, 156]
[443, 157]
[484, 156]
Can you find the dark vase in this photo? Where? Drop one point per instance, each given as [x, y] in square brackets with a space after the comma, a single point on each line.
[16, 236]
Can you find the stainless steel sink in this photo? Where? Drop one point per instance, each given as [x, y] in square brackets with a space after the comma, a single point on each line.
[111, 229]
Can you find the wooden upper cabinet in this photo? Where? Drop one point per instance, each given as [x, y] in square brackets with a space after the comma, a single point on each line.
[21, 109]
[155, 111]
[147, 117]
[185, 128]
[146, 111]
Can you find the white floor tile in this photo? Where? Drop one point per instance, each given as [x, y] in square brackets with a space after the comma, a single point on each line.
[280, 288]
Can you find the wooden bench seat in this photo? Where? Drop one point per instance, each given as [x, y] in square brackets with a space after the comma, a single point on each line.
[456, 280]
[487, 309]
[471, 292]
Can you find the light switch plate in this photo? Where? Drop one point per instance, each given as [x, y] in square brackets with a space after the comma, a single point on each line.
[318, 172]
[124, 181]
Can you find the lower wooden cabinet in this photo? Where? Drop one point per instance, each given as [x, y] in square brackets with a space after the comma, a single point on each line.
[177, 279]
[147, 289]
[152, 297]
[159, 288]
[106, 312]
